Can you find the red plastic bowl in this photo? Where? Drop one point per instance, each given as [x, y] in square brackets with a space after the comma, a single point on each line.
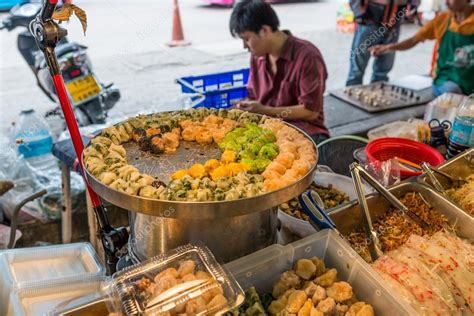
[389, 147]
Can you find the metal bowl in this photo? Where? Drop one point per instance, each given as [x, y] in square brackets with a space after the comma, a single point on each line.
[187, 154]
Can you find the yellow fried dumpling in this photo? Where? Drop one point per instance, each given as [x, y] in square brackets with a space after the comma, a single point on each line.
[220, 172]
[197, 171]
[211, 164]
[228, 156]
[177, 175]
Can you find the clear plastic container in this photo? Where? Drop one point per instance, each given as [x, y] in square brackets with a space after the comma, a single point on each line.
[41, 267]
[43, 301]
[263, 268]
[185, 279]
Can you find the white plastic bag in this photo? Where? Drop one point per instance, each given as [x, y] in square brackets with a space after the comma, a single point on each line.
[403, 129]
[443, 107]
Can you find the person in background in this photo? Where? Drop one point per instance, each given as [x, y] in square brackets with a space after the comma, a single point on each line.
[377, 22]
[287, 74]
[453, 30]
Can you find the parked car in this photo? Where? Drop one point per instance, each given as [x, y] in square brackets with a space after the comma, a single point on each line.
[6, 5]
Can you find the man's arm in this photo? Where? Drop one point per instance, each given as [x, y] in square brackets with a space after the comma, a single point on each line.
[378, 50]
[427, 32]
[294, 112]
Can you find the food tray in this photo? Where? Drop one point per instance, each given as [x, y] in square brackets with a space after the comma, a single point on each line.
[398, 97]
[126, 296]
[347, 218]
[42, 267]
[187, 154]
[43, 301]
[263, 268]
[303, 228]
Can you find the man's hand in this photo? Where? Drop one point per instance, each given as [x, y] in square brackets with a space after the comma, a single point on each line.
[378, 50]
[252, 106]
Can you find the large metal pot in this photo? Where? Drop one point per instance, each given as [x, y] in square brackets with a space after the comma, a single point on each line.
[231, 229]
[228, 238]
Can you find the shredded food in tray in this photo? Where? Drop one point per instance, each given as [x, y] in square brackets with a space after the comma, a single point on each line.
[259, 154]
[394, 230]
[464, 195]
[435, 275]
[309, 289]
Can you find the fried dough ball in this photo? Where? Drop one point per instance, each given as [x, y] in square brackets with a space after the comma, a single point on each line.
[327, 305]
[340, 291]
[296, 301]
[305, 268]
[327, 279]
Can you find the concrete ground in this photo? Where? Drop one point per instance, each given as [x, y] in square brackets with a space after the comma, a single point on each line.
[127, 39]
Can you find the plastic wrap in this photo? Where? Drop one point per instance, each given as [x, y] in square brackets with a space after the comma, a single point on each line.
[187, 279]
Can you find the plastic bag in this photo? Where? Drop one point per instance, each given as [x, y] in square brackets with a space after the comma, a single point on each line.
[413, 129]
[5, 236]
[443, 107]
[387, 172]
[29, 180]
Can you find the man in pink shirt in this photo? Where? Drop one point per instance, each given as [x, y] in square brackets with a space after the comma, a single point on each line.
[287, 74]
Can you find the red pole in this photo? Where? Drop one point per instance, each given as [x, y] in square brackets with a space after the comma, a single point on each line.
[177, 38]
[74, 131]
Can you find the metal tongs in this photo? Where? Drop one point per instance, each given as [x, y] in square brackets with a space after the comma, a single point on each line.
[375, 246]
[429, 171]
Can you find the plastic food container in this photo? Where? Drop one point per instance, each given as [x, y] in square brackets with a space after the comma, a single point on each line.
[303, 228]
[40, 267]
[44, 301]
[263, 268]
[185, 279]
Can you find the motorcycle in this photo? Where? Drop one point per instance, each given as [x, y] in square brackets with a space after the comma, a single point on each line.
[91, 99]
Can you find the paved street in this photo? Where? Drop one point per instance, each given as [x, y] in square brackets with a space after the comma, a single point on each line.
[126, 44]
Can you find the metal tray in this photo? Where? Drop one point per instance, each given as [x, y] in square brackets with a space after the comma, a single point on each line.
[460, 166]
[347, 218]
[398, 96]
[187, 154]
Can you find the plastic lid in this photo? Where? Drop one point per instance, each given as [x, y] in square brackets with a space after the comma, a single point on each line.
[186, 280]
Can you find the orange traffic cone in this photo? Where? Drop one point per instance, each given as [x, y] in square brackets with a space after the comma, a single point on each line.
[178, 37]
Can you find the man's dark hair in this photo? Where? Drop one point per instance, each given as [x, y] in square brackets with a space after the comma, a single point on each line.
[251, 15]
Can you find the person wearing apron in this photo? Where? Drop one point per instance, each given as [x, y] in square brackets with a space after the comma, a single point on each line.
[454, 31]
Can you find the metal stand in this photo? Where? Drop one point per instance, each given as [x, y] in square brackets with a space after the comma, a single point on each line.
[66, 215]
[47, 34]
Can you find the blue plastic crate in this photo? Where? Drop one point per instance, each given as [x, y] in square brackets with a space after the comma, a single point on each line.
[222, 90]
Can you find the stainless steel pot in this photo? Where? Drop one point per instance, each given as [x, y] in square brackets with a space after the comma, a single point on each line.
[228, 238]
[231, 229]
